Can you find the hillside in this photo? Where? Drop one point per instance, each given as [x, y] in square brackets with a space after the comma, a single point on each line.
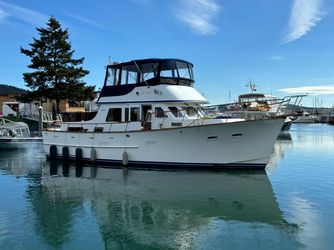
[6, 89]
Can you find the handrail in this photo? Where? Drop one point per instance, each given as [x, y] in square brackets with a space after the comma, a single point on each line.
[198, 114]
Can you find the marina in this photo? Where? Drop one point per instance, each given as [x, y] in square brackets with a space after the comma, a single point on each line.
[183, 124]
[57, 205]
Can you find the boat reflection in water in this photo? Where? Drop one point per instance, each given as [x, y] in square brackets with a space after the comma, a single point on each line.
[135, 209]
[23, 163]
[281, 147]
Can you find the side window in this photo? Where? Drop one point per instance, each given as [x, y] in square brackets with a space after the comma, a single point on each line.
[159, 113]
[148, 75]
[134, 114]
[132, 77]
[124, 77]
[114, 115]
[112, 77]
[175, 111]
[116, 76]
[126, 114]
[191, 111]
[149, 71]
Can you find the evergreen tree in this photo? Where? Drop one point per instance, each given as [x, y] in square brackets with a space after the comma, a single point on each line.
[56, 75]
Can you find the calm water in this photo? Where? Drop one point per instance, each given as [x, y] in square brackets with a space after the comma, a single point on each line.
[47, 205]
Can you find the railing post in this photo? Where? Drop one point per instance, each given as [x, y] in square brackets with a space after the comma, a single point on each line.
[40, 120]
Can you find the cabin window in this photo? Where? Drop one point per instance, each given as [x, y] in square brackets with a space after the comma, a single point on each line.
[75, 129]
[134, 114]
[175, 111]
[168, 69]
[168, 73]
[159, 112]
[129, 74]
[116, 76]
[112, 77]
[191, 112]
[124, 77]
[149, 71]
[183, 70]
[132, 76]
[126, 114]
[114, 115]
[98, 129]
[177, 69]
[147, 76]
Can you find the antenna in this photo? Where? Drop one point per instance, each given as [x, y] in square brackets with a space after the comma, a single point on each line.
[251, 85]
[110, 61]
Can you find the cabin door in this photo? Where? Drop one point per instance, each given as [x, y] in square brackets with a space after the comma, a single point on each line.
[146, 116]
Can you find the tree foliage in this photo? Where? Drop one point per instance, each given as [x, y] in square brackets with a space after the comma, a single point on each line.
[55, 74]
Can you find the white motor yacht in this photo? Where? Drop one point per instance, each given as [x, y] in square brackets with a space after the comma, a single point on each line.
[150, 115]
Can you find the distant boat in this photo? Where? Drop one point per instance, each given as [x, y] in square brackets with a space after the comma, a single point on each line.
[255, 105]
[16, 135]
[258, 103]
[306, 117]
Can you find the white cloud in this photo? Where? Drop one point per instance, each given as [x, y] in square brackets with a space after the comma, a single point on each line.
[311, 90]
[26, 15]
[87, 21]
[277, 58]
[305, 213]
[305, 14]
[198, 15]
[3, 15]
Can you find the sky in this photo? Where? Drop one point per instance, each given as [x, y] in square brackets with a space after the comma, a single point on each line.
[284, 47]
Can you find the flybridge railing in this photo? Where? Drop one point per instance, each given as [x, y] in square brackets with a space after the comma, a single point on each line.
[296, 99]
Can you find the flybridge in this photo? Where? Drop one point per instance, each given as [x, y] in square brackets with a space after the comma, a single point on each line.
[122, 78]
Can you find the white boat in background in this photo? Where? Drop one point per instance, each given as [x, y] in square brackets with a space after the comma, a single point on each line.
[306, 117]
[151, 115]
[16, 135]
[259, 102]
[254, 105]
[267, 105]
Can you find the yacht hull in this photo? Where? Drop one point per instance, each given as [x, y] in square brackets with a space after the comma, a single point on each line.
[245, 144]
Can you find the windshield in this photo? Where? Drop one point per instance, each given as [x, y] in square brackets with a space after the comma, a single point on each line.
[176, 69]
[167, 71]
